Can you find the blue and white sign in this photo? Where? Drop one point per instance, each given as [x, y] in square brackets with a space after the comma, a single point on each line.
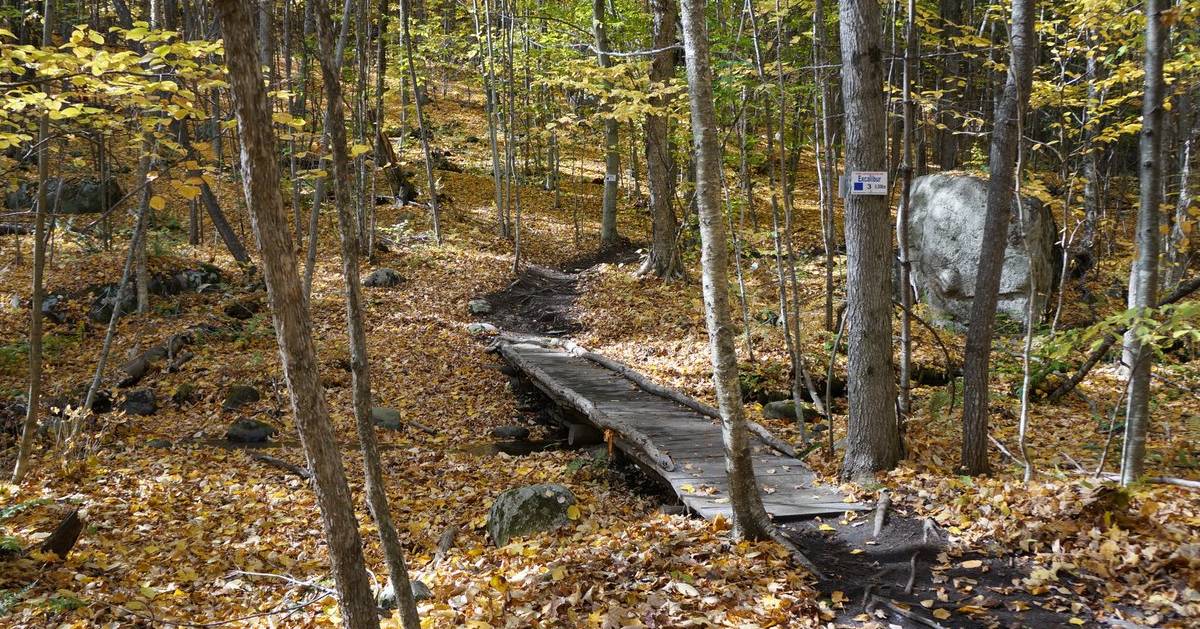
[868, 183]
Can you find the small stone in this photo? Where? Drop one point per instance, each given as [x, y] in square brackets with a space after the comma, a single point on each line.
[240, 395]
[479, 306]
[387, 596]
[383, 278]
[140, 402]
[243, 309]
[159, 443]
[510, 432]
[482, 329]
[250, 431]
[185, 393]
[386, 417]
[786, 409]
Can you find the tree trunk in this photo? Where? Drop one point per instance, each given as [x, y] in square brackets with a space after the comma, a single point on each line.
[293, 328]
[39, 269]
[873, 437]
[906, 172]
[335, 117]
[612, 150]
[1005, 139]
[749, 516]
[947, 138]
[663, 260]
[422, 128]
[1144, 280]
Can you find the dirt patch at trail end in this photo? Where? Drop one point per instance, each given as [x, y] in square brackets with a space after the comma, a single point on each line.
[542, 300]
[967, 591]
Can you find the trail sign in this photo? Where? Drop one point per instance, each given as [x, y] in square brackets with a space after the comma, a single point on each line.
[868, 183]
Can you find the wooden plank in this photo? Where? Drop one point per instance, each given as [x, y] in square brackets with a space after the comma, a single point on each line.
[691, 439]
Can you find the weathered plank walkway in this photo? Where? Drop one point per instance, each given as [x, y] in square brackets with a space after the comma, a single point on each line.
[680, 444]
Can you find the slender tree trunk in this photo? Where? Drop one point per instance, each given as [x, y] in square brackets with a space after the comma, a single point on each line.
[660, 181]
[1005, 139]
[906, 172]
[377, 501]
[947, 136]
[612, 149]
[749, 516]
[422, 128]
[873, 439]
[39, 268]
[1183, 225]
[293, 328]
[1144, 281]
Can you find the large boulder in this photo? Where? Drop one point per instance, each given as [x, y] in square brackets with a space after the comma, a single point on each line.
[530, 509]
[945, 233]
[83, 196]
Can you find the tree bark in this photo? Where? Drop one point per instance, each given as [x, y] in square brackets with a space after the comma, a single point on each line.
[39, 269]
[873, 438]
[293, 328]
[663, 260]
[1005, 138]
[377, 502]
[1143, 286]
[612, 150]
[749, 516]
[422, 128]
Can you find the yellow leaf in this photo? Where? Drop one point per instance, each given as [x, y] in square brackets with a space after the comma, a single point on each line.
[573, 512]
[825, 527]
[941, 614]
[972, 564]
[157, 203]
[838, 596]
[359, 149]
[688, 487]
[558, 573]
[1075, 621]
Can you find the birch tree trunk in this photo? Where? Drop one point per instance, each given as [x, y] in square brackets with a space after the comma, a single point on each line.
[293, 328]
[873, 437]
[1144, 279]
[749, 516]
[1005, 139]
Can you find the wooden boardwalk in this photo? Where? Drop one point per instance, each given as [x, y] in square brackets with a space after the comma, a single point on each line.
[681, 445]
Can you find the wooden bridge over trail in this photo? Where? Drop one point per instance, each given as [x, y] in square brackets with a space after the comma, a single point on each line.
[671, 435]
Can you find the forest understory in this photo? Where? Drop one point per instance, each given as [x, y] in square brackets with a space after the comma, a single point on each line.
[183, 528]
[188, 499]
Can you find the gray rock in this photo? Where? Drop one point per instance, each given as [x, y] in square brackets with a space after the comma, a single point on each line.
[250, 431]
[240, 395]
[510, 432]
[185, 393]
[386, 417]
[482, 329]
[786, 409]
[530, 509]
[479, 306]
[159, 443]
[140, 402]
[84, 196]
[945, 233]
[243, 309]
[383, 278]
[387, 596]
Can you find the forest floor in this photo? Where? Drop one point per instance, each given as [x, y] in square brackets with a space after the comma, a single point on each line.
[185, 534]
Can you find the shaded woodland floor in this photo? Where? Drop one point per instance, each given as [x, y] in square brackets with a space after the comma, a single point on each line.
[173, 534]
